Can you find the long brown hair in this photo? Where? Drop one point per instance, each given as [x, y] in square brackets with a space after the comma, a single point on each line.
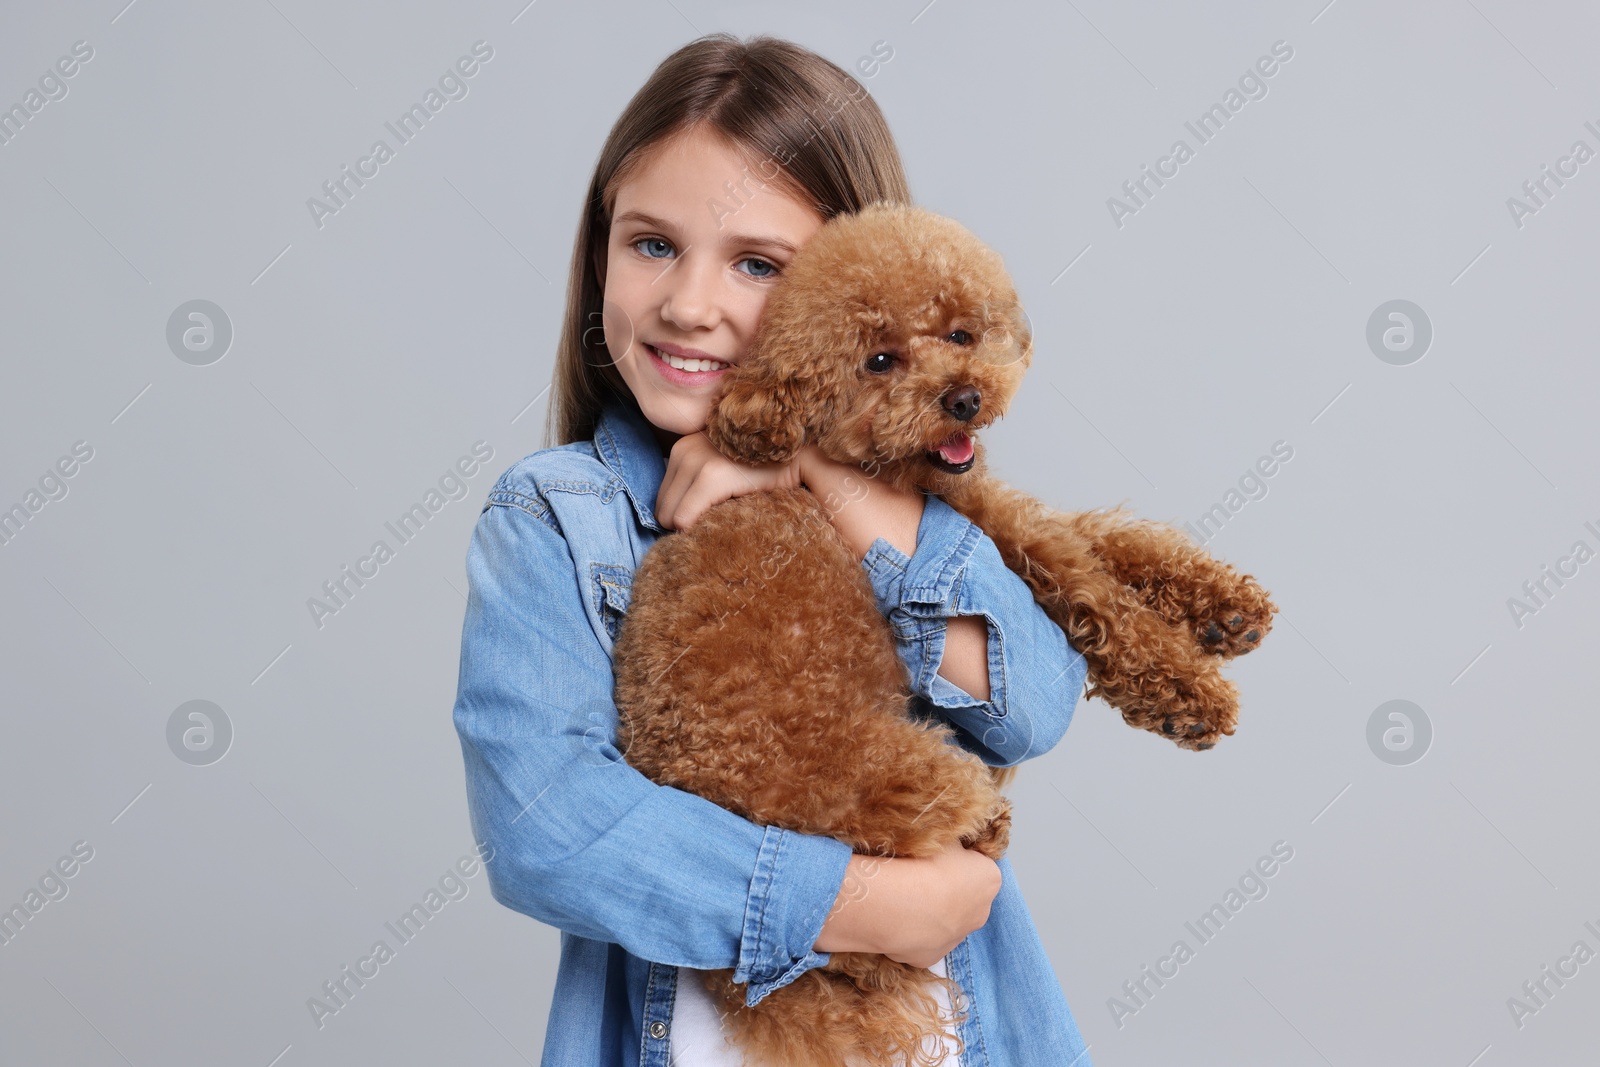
[816, 130]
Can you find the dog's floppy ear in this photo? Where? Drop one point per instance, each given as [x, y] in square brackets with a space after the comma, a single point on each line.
[759, 417]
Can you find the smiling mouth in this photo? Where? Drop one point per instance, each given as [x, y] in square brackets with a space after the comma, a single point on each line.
[691, 366]
[954, 455]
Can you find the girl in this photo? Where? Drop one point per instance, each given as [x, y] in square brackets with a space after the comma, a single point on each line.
[717, 172]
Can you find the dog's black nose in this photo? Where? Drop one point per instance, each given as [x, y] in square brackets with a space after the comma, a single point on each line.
[963, 401]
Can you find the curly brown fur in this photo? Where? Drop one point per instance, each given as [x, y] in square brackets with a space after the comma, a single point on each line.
[1154, 613]
[1227, 613]
[754, 669]
[1139, 662]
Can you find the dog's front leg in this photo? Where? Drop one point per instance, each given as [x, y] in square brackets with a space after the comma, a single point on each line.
[1144, 665]
[1228, 613]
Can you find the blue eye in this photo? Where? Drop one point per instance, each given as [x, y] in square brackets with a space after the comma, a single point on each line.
[664, 247]
[768, 272]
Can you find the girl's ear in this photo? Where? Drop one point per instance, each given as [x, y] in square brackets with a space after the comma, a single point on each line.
[758, 418]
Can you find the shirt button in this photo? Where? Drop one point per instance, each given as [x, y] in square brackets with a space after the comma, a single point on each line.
[658, 1029]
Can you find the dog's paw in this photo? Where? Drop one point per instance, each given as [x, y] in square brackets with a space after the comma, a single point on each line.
[995, 837]
[1238, 623]
[1195, 717]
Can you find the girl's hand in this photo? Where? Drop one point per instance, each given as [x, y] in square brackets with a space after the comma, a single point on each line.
[914, 911]
[698, 477]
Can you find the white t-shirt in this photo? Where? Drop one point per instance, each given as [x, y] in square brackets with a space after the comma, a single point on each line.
[698, 1040]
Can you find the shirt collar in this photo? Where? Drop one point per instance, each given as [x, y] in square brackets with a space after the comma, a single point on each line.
[628, 446]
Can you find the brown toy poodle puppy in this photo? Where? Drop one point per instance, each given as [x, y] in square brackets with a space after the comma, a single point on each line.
[753, 667]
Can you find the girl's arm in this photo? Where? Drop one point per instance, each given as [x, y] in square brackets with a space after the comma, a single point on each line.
[976, 644]
[581, 840]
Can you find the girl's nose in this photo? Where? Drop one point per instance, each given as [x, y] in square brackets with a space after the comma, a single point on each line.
[689, 297]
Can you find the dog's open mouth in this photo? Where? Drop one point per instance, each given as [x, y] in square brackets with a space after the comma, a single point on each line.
[954, 454]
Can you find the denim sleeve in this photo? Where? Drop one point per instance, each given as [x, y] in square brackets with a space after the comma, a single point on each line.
[581, 840]
[1035, 675]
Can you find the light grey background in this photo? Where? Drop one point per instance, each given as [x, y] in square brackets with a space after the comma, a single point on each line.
[368, 355]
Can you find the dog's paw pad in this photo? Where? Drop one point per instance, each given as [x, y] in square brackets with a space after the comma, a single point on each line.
[1196, 736]
[1233, 634]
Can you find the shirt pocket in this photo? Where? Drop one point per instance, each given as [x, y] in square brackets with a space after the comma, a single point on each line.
[612, 589]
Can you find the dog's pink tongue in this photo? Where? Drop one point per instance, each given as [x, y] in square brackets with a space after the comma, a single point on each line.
[958, 449]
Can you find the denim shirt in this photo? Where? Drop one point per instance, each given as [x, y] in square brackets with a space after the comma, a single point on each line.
[642, 879]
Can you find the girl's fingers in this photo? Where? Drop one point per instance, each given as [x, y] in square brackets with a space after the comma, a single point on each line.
[709, 488]
[662, 500]
[675, 484]
[699, 495]
[667, 496]
[698, 479]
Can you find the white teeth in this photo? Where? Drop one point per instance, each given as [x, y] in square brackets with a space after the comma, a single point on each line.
[694, 365]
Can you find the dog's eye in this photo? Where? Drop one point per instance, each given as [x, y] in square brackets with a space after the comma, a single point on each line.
[960, 337]
[880, 362]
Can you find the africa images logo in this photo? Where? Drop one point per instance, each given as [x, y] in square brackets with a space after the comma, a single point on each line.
[452, 86]
[1252, 86]
[341, 589]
